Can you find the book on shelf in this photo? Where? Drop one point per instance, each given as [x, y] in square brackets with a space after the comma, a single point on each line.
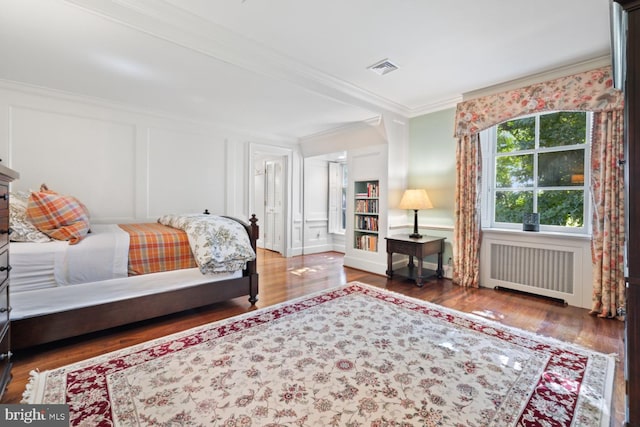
[369, 223]
[371, 191]
[367, 206]
[367, 242]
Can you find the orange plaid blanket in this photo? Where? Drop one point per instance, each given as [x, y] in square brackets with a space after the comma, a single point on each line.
[155, 247]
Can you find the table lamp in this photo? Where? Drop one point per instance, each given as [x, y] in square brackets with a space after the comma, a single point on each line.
[415, 199]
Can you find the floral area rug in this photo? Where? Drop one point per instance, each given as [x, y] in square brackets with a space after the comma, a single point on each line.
[355, 355]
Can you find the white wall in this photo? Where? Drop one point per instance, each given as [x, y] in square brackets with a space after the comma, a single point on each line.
[125, 165]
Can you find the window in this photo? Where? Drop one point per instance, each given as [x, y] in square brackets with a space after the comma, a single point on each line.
[338, 182]
[539, 164]
[343, 206]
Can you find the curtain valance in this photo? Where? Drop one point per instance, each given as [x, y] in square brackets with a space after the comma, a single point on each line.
[588, 91]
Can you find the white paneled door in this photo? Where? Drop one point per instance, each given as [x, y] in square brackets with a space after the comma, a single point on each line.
[273, 205]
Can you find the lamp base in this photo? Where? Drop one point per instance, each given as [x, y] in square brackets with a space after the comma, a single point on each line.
[415, 234]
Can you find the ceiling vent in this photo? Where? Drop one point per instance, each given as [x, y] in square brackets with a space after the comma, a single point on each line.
[383, 67]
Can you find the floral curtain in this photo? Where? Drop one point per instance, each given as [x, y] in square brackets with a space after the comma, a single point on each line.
[587, 91]
[467, 211]
[607, 192]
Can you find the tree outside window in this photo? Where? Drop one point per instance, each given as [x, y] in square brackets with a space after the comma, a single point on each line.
[539, 165]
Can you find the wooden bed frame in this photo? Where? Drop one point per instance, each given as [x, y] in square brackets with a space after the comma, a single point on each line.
[55, 326]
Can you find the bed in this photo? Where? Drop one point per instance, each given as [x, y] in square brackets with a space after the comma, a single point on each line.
[61, 290]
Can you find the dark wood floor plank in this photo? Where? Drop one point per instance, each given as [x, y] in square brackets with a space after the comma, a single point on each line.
[282, 279]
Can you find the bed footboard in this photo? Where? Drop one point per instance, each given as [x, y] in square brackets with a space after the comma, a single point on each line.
[251, 271]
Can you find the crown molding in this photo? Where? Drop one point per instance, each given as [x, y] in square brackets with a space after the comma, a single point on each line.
[371, 122]
[64, 96]
[343, 138]
[433, 107]
[175, 25]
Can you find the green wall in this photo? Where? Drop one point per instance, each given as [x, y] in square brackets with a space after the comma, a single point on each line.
[432, 164]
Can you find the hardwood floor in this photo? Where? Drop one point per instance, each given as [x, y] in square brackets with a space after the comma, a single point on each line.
[282, 279]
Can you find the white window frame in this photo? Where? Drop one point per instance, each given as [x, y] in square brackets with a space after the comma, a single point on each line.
[488, 141]
[336, 189]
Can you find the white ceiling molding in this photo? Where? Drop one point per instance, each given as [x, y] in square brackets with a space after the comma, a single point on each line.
[436, 106]
[373, 121]
[362, 134]
[174, 25]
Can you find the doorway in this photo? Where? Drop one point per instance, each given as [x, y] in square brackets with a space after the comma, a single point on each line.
[273, 237]
[269, 198]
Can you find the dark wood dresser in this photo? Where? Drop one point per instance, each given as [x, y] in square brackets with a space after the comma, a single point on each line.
[632, 136]
[6, 176]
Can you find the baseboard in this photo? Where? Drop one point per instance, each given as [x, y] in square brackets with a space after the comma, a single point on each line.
[365, 265]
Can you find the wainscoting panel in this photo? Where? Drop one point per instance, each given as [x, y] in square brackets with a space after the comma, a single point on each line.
[125, 165]
[89, 158]
[186, 172]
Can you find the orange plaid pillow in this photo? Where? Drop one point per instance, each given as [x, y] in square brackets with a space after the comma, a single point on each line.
[59, 217]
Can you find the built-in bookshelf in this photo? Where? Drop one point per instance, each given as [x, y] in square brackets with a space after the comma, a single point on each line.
[366, 215]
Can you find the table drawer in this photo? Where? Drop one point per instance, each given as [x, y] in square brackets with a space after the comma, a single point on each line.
[433, 247]
[399, 247]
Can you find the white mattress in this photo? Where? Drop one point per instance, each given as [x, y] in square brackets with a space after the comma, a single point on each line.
[102, 255]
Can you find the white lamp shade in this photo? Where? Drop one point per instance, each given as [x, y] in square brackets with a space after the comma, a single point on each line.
[415, 199]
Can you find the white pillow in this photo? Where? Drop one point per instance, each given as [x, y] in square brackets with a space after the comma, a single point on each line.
[22, 229]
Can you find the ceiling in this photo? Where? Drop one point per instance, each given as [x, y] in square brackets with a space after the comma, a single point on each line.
[286, 69]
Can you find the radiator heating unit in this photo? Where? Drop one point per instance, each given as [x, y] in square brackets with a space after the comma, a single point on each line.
[537, 269]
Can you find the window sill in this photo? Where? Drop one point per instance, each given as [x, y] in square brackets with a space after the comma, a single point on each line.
[533, 234]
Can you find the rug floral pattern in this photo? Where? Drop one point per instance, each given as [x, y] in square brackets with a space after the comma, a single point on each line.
[352, 356]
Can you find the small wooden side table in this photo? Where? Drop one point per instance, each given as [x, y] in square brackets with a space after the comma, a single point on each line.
[415, 247]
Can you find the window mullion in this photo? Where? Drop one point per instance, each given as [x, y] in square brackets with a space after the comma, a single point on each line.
[535, 164]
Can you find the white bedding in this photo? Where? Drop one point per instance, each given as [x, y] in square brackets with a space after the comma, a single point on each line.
[218, 244]
[102, 255]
